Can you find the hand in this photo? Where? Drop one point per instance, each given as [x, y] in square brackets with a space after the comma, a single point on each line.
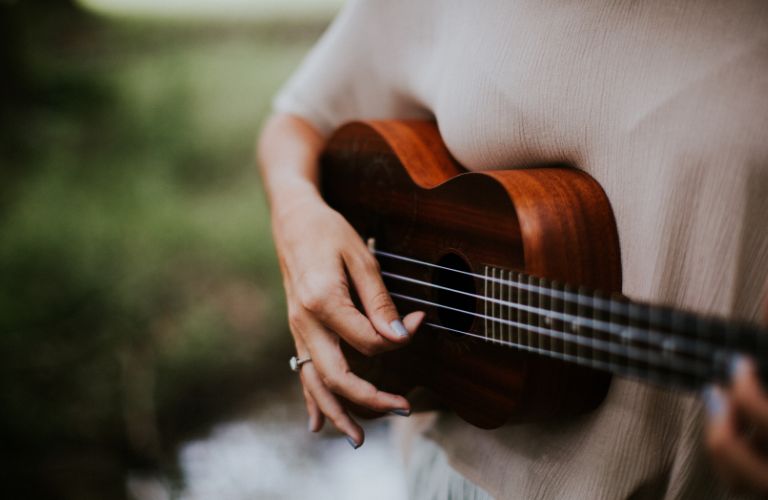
[318, 249]
[737, 428]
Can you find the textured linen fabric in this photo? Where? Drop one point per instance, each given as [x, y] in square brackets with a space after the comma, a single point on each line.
[665, 103]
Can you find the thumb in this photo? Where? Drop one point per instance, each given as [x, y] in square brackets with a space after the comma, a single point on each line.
[381, 311]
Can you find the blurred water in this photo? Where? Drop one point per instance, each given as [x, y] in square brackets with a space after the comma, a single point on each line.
[271, 455]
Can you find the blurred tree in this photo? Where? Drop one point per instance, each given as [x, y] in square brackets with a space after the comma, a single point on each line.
[20, 20]
[37, 460]
[134, 299]
[24, 26]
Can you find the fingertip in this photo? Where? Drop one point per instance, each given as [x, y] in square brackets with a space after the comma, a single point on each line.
[402, 330]
[401, 407]
[715, 403]
[399, 329]
[717, 434]
[355, 438]
[315, 423]
[739, 368]
[399, 402]
[745, 383]
[413, 320]
[749, 366]
[353, 442]
[400, 412]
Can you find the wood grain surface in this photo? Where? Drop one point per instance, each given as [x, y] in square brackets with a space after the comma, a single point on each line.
[395, 181]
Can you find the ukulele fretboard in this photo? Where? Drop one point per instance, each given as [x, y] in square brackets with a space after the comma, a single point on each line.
[658, 344]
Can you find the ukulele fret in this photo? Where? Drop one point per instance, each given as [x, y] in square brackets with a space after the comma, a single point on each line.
[545, 341]
[588, 328]
[515, 298]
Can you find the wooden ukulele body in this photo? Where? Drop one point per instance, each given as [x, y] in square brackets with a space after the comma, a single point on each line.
[396, 182]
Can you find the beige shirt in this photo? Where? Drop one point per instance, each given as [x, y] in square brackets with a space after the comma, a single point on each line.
[665, 103]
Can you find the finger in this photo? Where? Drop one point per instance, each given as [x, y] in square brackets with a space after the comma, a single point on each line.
[748, 396]
[364, 270]
[326, 298]
[344, 319]
[316, 419]
[323, 347]
[335, 374]
[330, 406]
[412, 321]
[730, 453]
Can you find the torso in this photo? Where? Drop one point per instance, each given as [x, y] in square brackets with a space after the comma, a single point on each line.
[664, 103]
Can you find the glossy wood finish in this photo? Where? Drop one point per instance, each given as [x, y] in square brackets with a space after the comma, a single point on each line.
[396, 182]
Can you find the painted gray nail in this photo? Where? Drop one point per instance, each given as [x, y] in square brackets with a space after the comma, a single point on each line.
[352, 443]
[311, 426]
[735, 366]
[400, 412]
[714, 402]
[399, 328]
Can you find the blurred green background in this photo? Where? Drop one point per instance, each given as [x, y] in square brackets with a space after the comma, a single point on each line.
[140, 300]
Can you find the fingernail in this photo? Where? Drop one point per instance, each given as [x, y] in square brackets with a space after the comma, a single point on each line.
[737, 366]
[714, 402]
[352, 443]
[400, 412]
[399, 328]
[311, 425]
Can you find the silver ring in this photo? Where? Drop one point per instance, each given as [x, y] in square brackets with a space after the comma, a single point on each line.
[295, 363]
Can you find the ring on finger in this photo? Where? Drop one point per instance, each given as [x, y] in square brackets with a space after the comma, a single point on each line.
[295, 362]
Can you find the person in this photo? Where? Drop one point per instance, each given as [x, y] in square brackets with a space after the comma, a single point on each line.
[662, 102]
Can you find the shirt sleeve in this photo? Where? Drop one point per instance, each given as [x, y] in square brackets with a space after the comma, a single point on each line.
[352, 72]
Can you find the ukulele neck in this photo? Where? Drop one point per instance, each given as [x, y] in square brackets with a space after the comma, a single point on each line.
[658, 344]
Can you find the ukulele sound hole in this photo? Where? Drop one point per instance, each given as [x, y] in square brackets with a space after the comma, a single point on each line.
[451, 283]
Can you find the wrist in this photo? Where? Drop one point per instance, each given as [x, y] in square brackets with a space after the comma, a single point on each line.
[289, 194]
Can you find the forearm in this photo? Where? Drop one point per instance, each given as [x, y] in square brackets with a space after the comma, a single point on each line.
[288, 150]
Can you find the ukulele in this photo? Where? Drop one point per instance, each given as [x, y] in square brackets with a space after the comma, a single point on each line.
[519, 273]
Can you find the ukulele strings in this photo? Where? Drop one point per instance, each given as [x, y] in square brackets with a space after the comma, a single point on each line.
[626, 333]
[607, 305]
[647, 374]
[667, 342]
[633, 353]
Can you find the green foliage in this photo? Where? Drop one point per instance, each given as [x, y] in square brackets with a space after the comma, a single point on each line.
[139, 281]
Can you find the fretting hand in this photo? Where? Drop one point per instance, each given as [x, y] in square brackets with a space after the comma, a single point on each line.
[737, 428]
[318, 249]
[322, 258]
